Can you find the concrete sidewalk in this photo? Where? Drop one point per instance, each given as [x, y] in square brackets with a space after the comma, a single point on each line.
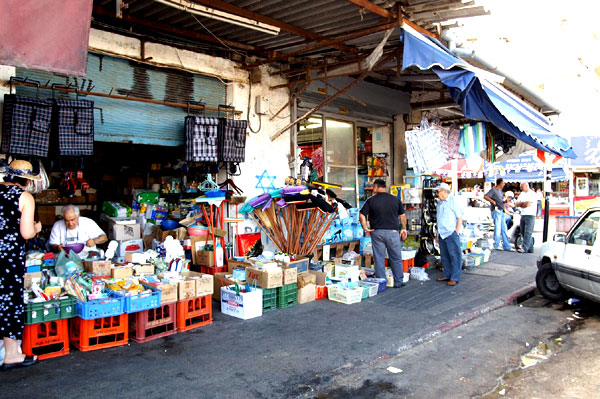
[284, 353]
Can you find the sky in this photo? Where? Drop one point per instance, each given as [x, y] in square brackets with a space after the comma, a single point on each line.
[551, 46]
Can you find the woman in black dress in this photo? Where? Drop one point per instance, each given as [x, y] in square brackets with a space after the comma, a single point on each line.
[16, 225]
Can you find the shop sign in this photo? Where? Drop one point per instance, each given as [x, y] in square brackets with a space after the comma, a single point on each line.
[587, 149]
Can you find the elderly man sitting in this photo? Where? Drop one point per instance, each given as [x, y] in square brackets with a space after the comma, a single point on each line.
[75, 229]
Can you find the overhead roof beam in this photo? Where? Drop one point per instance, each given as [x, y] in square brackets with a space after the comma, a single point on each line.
[183, 32]
[374, 8]
[230, 8]
[328, 43]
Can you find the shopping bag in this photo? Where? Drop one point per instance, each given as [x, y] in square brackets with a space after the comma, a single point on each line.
[67, 264]
[244, 303]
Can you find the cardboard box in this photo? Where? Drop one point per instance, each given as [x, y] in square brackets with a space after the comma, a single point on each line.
[264, 279]
[169, 292]
[204, 284]
[118, 231]
[129, 246]
[290, 275]
[121, 271]
[347, 271]
[205, 258]
[187, 289]
[100, 267]
[143, 270]
[221, 280]
[305, 279]
[301, 264]
[307, 293]
[29, 278]
[236, 264]
[198, 243]
[136, 257]
[322, 276]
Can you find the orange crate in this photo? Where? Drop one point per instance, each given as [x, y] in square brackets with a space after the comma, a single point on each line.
[407, 263]
[194, 312]
[105, 332]
[46, 340]
[153, 323]
[321, 292]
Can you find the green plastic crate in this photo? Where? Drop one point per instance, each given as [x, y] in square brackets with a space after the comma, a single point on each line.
[269, 299]
[287, 295]
[51, 310]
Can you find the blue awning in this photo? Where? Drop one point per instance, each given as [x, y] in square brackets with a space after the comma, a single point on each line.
[479, 96]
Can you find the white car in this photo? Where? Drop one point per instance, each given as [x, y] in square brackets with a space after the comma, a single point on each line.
[570, 263]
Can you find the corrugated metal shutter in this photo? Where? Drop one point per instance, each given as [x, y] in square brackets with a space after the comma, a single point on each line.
[132, 121]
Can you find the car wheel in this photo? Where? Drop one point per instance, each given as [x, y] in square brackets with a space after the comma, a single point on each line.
[548, 285]
[519, 242]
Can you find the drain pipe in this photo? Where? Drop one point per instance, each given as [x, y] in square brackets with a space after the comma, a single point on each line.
[465, 52]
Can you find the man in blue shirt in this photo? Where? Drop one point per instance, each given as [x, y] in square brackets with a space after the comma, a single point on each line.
[449, 224]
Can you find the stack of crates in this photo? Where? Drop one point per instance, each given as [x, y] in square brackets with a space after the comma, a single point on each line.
[100, 324]
[287, 295]
[149, 318]
[194, 312]
[269, 299]
[46, 333]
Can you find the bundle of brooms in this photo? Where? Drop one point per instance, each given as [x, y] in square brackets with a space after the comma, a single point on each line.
[295, 223]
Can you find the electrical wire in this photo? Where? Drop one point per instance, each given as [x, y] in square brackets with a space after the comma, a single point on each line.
[215, 36]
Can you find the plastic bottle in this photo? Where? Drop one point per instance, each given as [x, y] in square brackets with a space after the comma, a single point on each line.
[219, 255]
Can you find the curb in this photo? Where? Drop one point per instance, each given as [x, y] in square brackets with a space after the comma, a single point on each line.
[422, 337]
[510, 299]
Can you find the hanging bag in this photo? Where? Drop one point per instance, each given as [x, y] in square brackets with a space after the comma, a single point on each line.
[26, 122]
[75, 121]
[232, 136]
[201, 136]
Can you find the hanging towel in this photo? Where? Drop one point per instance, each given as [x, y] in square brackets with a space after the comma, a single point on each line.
[472, 139]
[453, 142]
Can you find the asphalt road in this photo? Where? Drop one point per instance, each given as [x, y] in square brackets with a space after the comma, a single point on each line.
[484, 359]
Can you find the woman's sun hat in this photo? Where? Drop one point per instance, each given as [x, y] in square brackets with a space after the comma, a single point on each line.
[21, 168]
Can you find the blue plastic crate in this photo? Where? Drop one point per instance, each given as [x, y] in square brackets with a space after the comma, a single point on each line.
[141, 302]
[381, 281]
[98, 308]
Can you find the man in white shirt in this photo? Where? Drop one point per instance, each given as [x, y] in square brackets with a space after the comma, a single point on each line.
[75, 229]
[527, 201]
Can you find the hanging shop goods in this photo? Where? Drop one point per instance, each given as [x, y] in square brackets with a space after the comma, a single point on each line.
[232, 140]
[26, 125]
[201, 142]
[75, 127]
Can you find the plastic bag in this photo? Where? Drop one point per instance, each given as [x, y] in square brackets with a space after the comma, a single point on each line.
[418, 273]
[68, 264]
[37, 186]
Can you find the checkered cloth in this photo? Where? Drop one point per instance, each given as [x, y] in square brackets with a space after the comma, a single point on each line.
[201, 141]
[26, 125]
[75, 127]
[232, 140]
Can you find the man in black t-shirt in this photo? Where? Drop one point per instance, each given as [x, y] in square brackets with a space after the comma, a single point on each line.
[382, 210]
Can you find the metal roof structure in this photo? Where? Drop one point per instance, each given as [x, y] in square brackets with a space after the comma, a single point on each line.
[302, 38]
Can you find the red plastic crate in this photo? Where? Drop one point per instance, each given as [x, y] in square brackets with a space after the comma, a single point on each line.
[47, 340]
[212, 270]
[407, 263]
[153, 323]
[321, 292]
[194, 312]
[105, 332]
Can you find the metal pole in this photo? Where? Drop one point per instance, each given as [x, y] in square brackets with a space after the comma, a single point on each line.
[546, 216]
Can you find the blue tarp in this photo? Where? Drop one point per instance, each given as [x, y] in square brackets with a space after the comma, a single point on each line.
[479, 97]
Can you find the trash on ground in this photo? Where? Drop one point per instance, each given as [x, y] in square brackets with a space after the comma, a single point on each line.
[394, 370]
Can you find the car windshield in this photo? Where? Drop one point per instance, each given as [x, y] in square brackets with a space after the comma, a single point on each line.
[585, 232]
